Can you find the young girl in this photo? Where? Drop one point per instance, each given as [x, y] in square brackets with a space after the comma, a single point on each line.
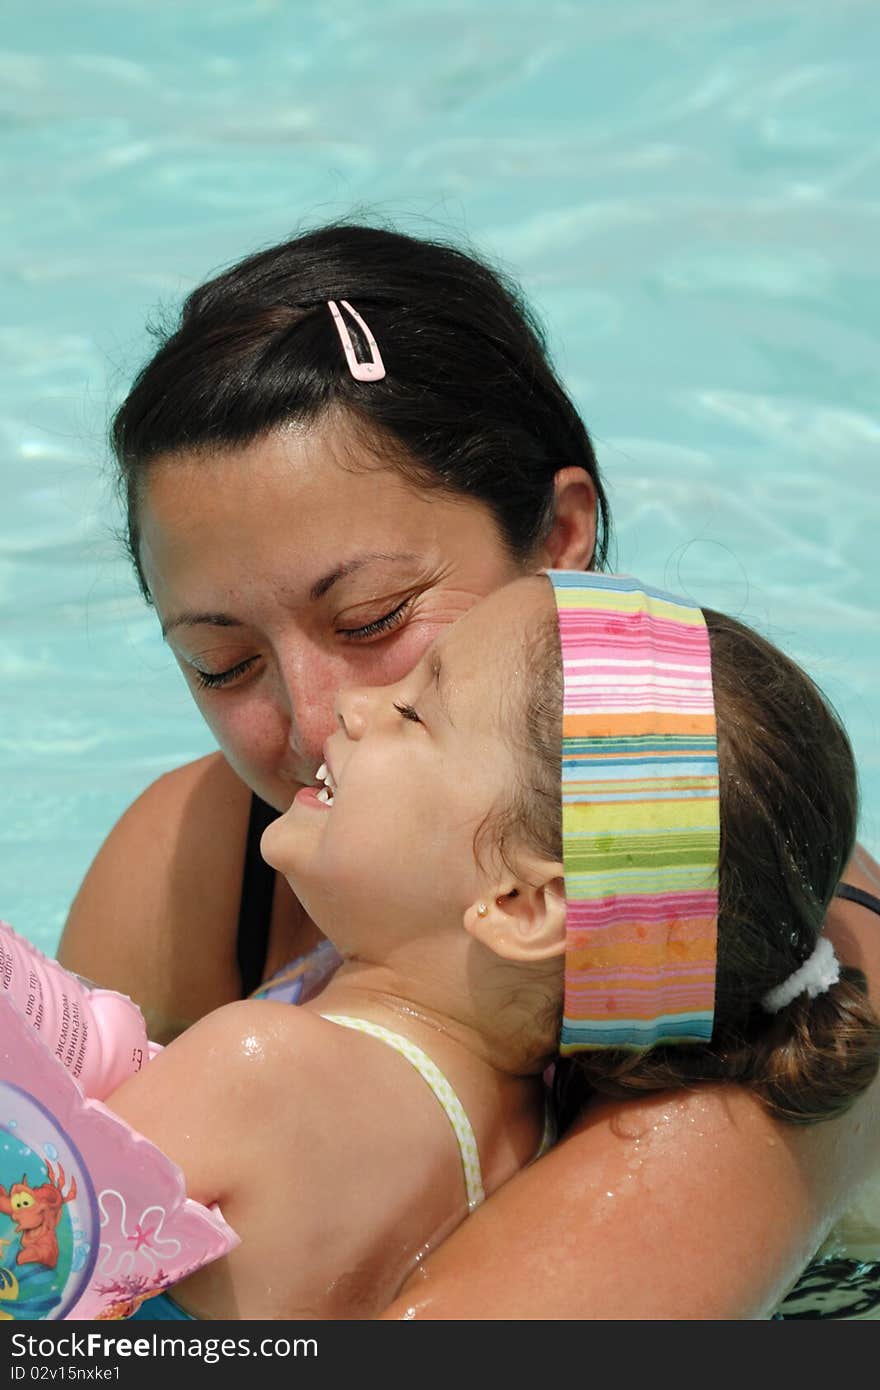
[670, 926]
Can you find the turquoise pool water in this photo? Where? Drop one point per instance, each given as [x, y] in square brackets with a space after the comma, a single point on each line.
[689, 192]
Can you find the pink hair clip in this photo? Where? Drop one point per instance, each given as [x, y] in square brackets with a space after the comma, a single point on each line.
[374, 368]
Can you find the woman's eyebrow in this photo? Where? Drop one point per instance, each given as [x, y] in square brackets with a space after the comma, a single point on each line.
[197, 619]
[323, 585]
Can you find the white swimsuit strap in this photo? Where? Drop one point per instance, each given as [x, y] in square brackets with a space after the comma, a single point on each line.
[551, 1130]
[430, 1072]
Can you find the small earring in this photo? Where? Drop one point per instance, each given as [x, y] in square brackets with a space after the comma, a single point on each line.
[482, 910]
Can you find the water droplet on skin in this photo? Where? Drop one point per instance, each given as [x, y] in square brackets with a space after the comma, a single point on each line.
[631, 1125]
[421, 1254]
[252, 1046]
[605, 1209]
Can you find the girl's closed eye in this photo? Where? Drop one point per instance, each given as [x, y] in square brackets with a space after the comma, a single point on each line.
[408, 712]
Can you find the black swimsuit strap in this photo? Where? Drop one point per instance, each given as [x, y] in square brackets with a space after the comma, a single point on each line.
[858, 895]
[255, 909]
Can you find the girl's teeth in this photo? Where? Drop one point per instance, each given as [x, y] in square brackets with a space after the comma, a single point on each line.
[326, 793]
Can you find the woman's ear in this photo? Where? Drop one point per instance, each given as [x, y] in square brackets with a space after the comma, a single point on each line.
[522, 920]
[571, 543]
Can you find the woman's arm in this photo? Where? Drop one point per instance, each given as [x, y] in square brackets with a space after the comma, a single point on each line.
[688, 1206]
[157, 914]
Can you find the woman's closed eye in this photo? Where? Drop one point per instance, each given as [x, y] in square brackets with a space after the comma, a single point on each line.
[215, 680]
[386, 623]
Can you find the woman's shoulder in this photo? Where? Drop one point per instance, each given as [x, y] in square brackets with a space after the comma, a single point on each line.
[185, 809]
[165, 887]
[853, 926]
[209, 776]
[687, 1205]
[675, 1206]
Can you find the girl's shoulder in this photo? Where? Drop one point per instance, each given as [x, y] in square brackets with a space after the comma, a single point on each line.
[247, 1079]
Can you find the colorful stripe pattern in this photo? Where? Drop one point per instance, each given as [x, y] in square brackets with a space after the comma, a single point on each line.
[640, 821]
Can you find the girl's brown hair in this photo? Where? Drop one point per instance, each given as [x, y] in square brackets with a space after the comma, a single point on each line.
[789, 806]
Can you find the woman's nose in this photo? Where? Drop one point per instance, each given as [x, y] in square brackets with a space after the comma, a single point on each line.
[306, 694]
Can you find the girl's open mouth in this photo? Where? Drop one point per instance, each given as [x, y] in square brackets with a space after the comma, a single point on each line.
[327, 790]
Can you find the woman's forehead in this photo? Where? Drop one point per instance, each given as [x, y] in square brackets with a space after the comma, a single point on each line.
[305, 487]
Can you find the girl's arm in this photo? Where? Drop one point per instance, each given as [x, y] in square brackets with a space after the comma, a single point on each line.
[244, 1104]
[326, 1153]
[680, 1206]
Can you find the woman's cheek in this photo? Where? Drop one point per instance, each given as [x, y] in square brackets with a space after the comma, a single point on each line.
[387, 662]
[252, 733]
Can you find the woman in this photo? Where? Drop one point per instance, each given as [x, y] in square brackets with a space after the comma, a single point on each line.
[349, 440]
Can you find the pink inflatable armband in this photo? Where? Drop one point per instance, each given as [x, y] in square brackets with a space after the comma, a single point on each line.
[93, 1217]
[98, 1035]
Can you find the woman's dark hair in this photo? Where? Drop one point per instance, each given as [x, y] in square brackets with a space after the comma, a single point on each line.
[470, 403]
[788, 806]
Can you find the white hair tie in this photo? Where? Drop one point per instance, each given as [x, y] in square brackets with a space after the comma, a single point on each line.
[816, 976]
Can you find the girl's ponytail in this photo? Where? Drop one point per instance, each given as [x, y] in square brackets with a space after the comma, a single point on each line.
[817, 1055]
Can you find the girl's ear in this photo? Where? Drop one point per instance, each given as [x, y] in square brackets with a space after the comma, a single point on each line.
[522, 920]
[571, 543]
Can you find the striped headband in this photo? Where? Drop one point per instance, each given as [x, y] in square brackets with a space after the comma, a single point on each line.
[640, 825]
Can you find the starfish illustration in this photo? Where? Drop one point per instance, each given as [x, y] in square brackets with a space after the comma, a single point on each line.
[142, 1237]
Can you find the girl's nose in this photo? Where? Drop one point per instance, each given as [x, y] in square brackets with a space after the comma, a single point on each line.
[352, 710]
